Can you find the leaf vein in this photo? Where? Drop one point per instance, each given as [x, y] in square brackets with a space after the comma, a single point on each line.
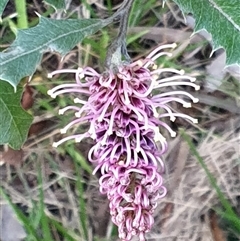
[41, 47]
[225, 15]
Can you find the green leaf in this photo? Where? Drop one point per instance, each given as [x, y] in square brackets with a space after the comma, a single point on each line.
[3, 4]
[221, 19]
[23, 56]
[232, 220]
[66, 233]
[57, 4]
[14, 121]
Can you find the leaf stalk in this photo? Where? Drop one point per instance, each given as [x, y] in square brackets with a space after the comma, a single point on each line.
[22, 21]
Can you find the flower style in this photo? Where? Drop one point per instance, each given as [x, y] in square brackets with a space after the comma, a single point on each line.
[124, 109]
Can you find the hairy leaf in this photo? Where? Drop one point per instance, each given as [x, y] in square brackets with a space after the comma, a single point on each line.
[14, 121]
[3, 4]
[58, 4]
[221, 18]
[22, 57]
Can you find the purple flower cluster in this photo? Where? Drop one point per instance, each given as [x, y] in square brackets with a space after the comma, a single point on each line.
[124, 109]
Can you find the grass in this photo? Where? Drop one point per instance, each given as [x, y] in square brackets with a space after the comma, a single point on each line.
[227, 213]
[55, 196]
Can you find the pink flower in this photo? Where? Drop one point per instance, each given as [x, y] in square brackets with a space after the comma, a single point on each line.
[125, 109]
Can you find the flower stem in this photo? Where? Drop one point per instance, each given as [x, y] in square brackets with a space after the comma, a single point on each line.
[118, 46]
[22, 21]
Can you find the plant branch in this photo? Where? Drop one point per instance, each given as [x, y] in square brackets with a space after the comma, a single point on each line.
[118, 46]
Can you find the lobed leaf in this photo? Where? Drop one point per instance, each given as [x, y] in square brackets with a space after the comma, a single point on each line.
[23, 56]
[3, 4]
[14, 121]
[58, 4]
[221, 18]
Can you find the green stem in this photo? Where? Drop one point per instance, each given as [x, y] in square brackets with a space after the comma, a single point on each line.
[22, 21]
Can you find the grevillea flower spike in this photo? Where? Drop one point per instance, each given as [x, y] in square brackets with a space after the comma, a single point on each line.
[126, 109]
